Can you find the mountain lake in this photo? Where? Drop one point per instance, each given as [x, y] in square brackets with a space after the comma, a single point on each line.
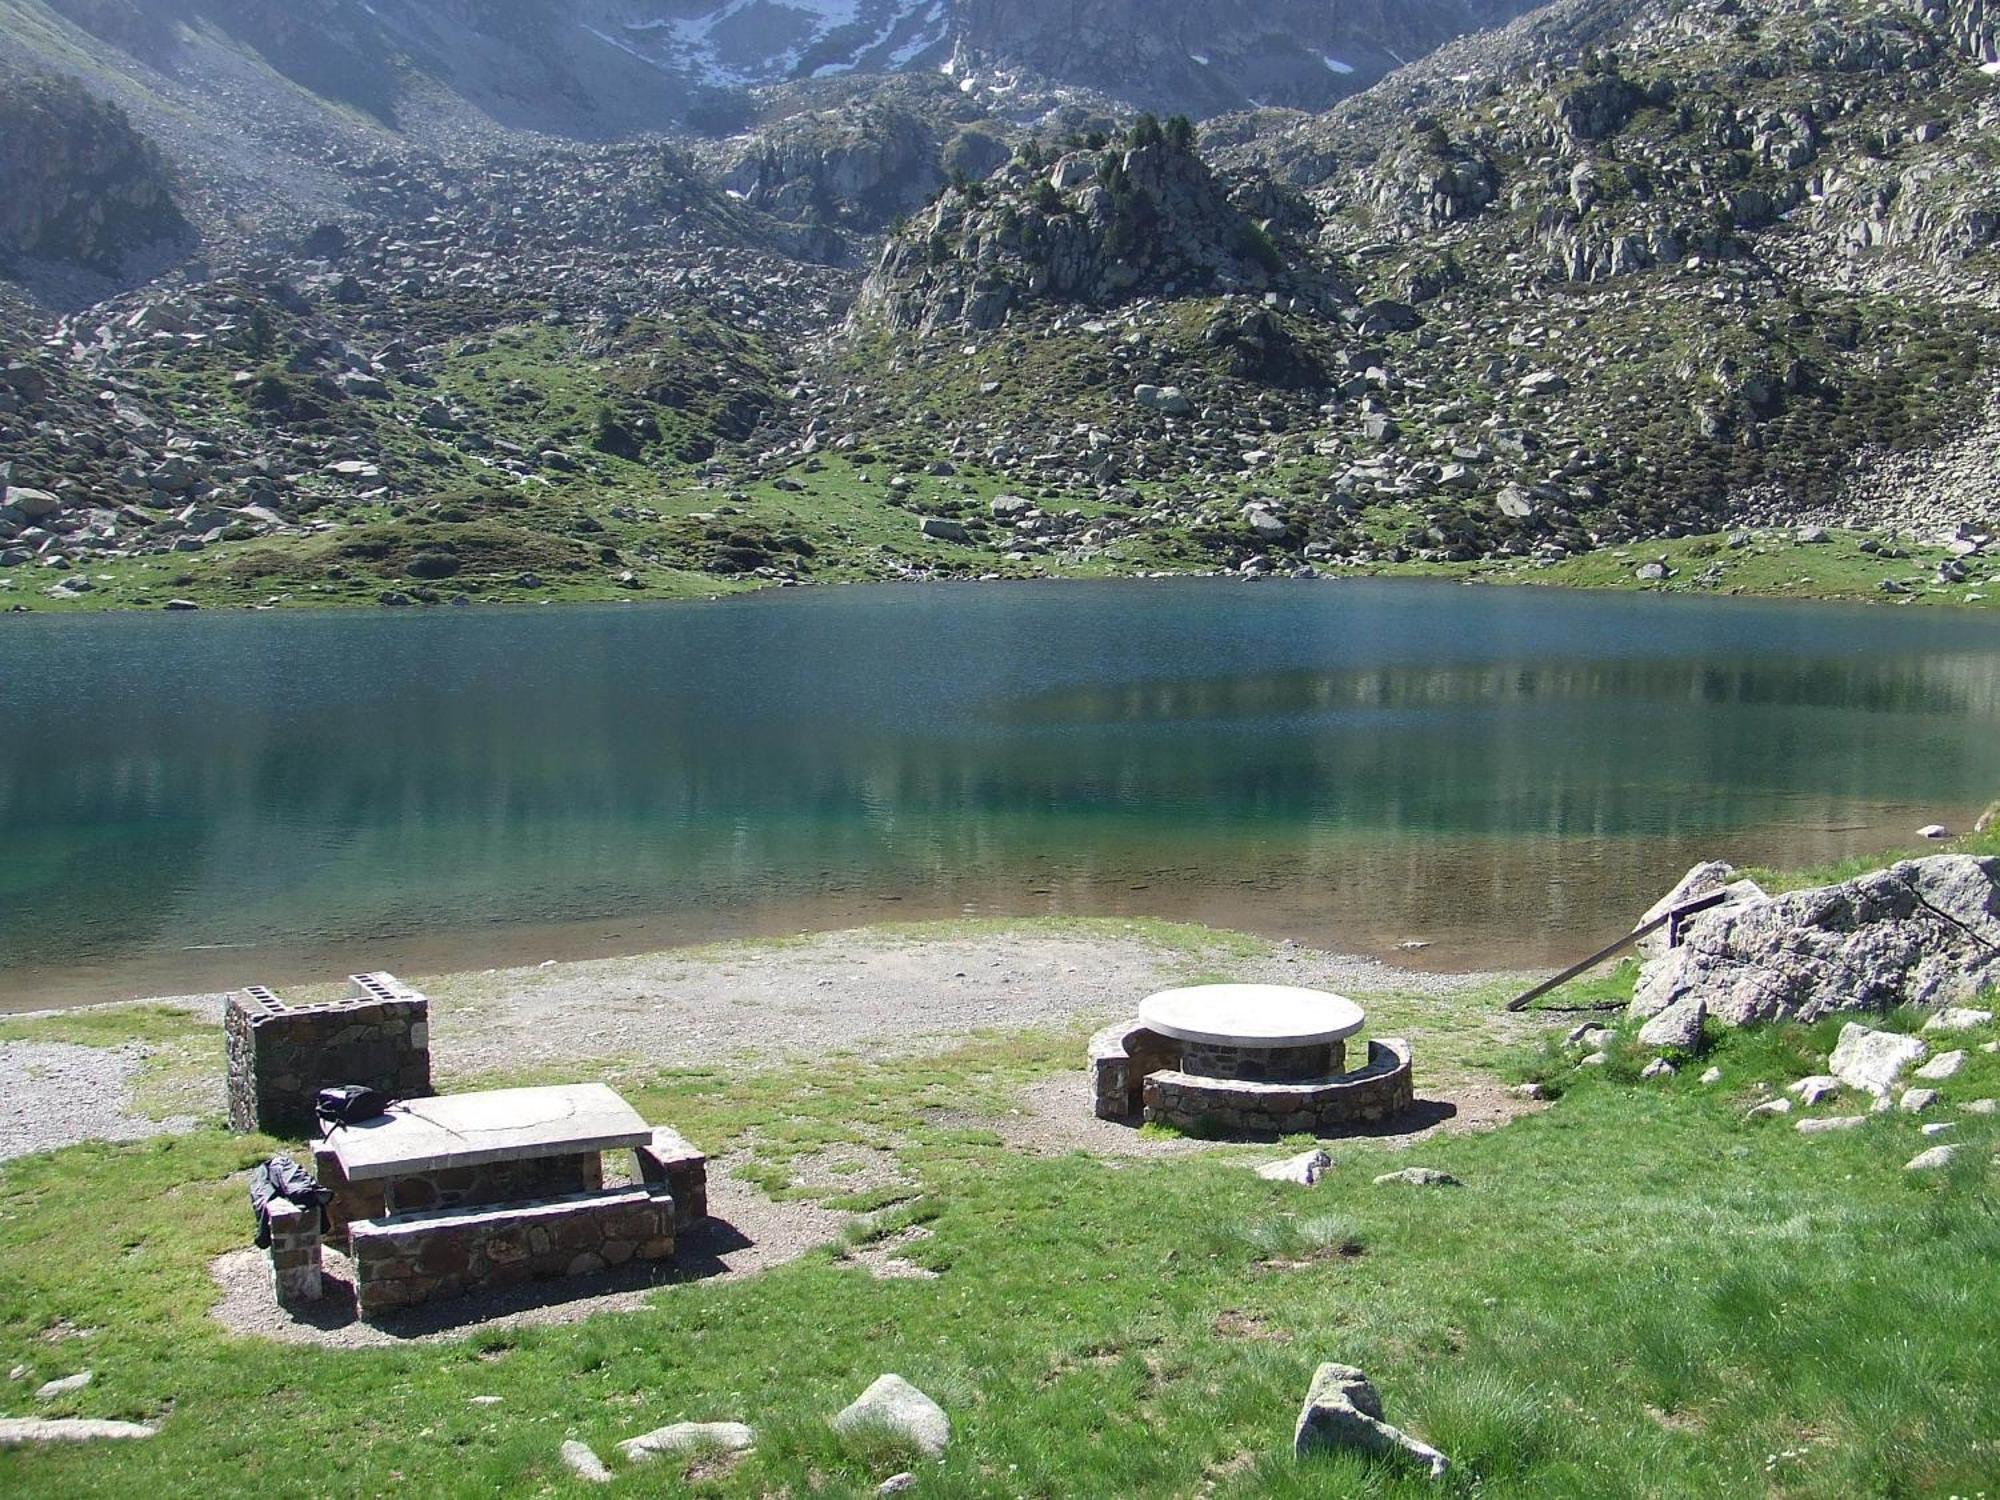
[1504, 776]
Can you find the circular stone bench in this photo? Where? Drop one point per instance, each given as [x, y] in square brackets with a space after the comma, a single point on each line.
[1201, 1104]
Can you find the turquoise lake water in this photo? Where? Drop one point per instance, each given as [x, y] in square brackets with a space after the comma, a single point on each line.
[197, 801]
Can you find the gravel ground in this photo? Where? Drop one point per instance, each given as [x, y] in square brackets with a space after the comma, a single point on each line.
[57, 1093]
[745, 1233]
[862, 991]
[752, 1004]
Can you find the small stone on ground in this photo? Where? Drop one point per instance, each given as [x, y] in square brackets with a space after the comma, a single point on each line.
[895, 1406]
[1342, 1410]
[581, 1461]
[1932, 1160]
[1873, 1060]
[50, 1390]
[688, 1437]
[1305, 1169]
[1420, 1177]
[1943, 1067]
[16, 1432]
[1828, 1123]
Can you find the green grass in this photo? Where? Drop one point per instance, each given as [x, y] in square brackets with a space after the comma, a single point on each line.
[1638, 1292]
[107, 1026]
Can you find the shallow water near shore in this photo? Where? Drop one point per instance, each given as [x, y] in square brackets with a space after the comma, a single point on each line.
[193, 802]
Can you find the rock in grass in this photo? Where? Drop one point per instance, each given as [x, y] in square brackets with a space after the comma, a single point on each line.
[1933, 1160]
[1305, 1169]
[1342, 1410]
[1420, 1177]
[17, 1432]
[1944, 1066]
[1826, 1124]
[1938, 1127]
[581, 1461]
[1981, 1106]
[1814, 1089]
[1958, 1018]
[1590, 1034]
[1529, 1091]
[684, 1437]
[1659, 1067]
[1768, 1107]
[1678, 1026]
[1712, 1075]
[1906, 934]
[1865, 1058]
[894, 1406]
[1595, 1060]
[1916, 1101]
[895, 1484]
[50, 1390]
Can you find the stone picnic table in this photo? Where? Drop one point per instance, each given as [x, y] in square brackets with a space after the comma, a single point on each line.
[1267, 1058]
[462, 1131]
[1273, 1032]
[449, 1193]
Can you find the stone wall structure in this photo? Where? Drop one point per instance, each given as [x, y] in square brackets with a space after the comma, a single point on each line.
[1197, 1104]
[670, 1164]
[404, 1259]
[282, 1055]
[295, 1250]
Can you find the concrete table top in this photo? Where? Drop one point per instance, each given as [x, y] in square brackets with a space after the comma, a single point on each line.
[467, 1130]
[1251, 1015]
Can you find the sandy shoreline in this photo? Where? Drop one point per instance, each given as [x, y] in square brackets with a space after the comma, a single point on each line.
[872, 992]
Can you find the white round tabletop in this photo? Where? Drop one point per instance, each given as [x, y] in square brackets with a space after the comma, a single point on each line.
[1251, 1015]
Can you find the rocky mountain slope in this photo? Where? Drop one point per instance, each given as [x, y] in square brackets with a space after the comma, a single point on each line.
[1625, 272]
[78, 185]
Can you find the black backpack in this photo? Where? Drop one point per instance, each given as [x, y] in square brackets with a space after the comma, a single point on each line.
[348, 1103]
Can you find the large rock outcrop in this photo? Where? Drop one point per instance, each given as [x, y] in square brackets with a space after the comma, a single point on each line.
[78, 185]
[1922, 932]
[1099, 225]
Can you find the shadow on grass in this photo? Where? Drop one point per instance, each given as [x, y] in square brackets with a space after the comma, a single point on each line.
[698, 1256]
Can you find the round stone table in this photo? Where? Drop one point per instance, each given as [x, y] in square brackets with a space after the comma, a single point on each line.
[1271, 1033]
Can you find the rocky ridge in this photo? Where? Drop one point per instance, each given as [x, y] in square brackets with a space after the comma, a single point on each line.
[1628, 280]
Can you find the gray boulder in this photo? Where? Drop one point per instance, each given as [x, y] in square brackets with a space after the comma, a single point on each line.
[34, 504]
[18, 1432]
[1814, 1090]
[1342, 1410]
[584, 1463]
[1956, 1018]
[943, 529]
[1305, 1169]
[895, 1406]
[1419, 1177]
[1678, 1026]
[1873, 1060]
[1935, 1159]
[1923, 932]
[684, 1437]
[1168, 400]
[1704, 879]
[65, 1386]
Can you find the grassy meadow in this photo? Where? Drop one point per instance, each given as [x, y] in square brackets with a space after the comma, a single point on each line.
[1637, 1291]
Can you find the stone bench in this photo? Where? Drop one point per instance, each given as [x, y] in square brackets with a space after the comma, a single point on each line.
[669, 1163]
[1376, 1091]
[1121, 1057]
[401, 1260]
